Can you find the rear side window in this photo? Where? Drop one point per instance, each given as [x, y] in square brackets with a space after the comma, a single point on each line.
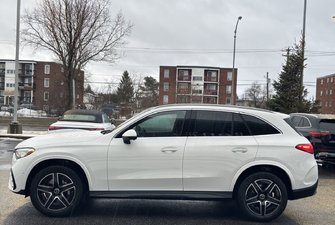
[211, 123]
[258, 126]
[327, 125]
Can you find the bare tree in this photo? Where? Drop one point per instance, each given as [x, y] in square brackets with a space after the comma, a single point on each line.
[76, 31]
[256, 94]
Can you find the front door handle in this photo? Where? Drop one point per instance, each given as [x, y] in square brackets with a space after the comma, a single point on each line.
[239, 149]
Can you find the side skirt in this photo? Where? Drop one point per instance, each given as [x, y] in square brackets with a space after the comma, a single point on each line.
[173, 195]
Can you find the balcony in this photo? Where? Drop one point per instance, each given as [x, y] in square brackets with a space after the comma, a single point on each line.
[211, 92]
[26, 73]
[211, 76]
[26, 86]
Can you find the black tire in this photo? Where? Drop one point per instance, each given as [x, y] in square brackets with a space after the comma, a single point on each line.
[56, 191]
[262, 196]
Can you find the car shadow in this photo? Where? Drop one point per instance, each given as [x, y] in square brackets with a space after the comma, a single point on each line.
[143, 212]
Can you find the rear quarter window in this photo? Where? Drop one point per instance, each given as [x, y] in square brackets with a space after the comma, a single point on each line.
[258, 126]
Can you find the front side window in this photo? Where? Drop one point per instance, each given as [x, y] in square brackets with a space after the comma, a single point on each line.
[165, 124]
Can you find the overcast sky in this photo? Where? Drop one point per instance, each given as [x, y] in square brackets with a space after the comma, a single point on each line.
[200, 33]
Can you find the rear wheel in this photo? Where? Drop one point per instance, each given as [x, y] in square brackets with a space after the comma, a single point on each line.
[56, 191]
[262, 196]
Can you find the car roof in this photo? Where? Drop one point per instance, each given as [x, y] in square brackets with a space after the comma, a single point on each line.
[317, 116]
[219, 106]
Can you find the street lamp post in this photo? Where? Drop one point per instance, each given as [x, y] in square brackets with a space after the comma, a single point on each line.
[15, 127]
[233, 70]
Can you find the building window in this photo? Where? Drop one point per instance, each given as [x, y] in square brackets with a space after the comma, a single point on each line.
[212, 76]
[166, 86]
[228, 89]
[332, 79]
[46, 96]
[165, 99]
[46, 82]
[321, 93]
[166, 73]
[326, 92]
[321, 81]
[327, 79]
[78, 96]
[330, 91]
[197, 91]
[197, 78]
[46, 69]
[184, 75]
[61, 94]
[229, 76]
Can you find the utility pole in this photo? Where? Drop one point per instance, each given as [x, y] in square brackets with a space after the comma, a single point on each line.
[287, 55]
[303, 50]
[267, 86]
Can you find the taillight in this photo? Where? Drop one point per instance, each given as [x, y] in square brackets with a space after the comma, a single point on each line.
[319, 134]
[306, 148]
[53, 128]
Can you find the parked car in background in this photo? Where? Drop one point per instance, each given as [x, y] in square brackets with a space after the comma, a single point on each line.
[81, 119]
[189, 152]
[319, 129]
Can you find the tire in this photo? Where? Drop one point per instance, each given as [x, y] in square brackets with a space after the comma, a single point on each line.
[56, 191]
[262, 196]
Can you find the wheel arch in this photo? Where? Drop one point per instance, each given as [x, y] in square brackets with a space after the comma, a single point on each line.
[279, 172]
[57, 162]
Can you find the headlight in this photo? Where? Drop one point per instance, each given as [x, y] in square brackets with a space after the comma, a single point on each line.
[23, 152]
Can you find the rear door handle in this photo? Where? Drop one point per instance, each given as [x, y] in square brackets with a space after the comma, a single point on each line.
[239, 149]
[169, 149]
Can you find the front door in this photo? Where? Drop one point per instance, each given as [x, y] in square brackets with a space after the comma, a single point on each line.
[154, 160]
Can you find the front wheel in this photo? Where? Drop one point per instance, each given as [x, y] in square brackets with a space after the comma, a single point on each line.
[262, 196]
[56, 191]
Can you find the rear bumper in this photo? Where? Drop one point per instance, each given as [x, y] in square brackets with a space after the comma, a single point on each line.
[304, 192]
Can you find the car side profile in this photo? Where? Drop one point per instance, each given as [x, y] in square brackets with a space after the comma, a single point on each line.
[202, 152]
[82, 119]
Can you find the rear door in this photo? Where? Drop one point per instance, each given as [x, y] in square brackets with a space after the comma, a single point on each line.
[219, 143]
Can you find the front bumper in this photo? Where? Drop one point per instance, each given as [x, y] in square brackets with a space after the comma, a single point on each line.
[304, 192]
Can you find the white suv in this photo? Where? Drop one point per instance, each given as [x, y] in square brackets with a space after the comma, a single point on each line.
[172, 152]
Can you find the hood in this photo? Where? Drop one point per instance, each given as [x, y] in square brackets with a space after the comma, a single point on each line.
[54, 139]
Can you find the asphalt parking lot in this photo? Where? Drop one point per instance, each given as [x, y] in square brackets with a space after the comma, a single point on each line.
[15, 209]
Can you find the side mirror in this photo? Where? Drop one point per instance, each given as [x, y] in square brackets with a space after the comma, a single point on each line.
[129, 135]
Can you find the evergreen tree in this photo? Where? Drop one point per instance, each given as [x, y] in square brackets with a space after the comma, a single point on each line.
[290, 93]
[125, 90]
[148, 93]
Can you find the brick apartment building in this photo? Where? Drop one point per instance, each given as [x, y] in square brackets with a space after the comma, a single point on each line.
[196, 84]
[41, 84]
[325, 93]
